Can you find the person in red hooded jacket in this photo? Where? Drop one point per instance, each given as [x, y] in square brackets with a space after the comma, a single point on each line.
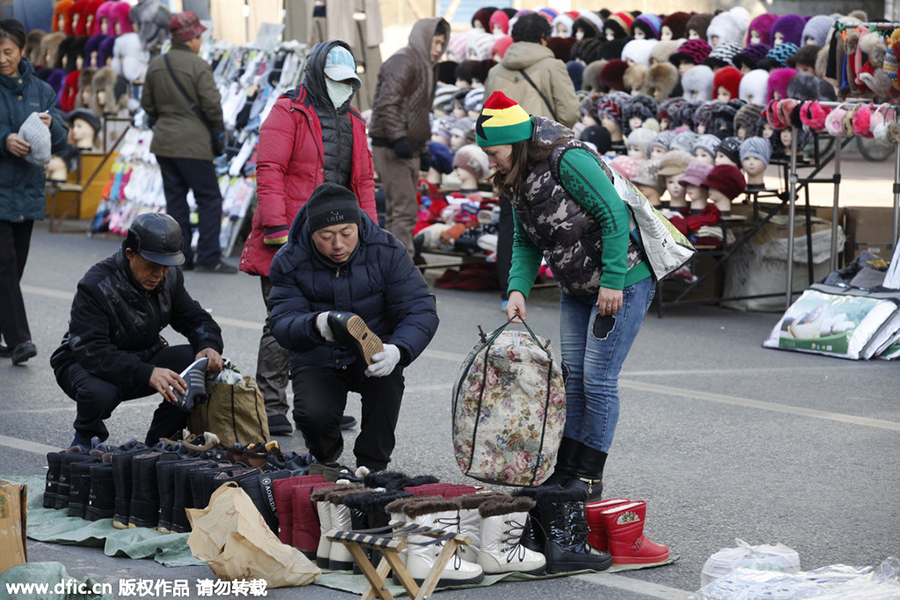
[311, 136]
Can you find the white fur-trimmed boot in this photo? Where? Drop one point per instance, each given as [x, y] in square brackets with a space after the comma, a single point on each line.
[339, 557]
[470, 522]
[323, 508]
[503, 521]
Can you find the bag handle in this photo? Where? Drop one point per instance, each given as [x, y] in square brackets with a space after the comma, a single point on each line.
[540, 93]
[493, 335]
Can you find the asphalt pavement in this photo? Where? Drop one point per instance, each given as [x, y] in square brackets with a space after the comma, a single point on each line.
[722, 438]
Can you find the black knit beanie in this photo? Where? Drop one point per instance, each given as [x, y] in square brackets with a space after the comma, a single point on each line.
[331, 204]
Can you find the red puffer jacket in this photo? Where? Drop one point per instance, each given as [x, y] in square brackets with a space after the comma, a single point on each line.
[288, 170]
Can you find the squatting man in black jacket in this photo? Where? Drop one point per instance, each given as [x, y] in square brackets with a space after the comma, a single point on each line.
[113, 350]
[339, 279]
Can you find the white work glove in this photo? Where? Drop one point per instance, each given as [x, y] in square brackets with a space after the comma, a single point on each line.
[383, 363]
[324, 329]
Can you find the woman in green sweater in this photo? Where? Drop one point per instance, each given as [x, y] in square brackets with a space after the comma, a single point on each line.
[568, 212]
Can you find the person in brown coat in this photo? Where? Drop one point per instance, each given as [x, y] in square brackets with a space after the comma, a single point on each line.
[399, 126]
[182, 142]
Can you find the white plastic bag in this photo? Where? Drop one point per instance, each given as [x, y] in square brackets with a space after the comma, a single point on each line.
[763, 558]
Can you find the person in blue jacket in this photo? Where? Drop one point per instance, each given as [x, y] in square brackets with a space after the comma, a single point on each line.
[338, 265]
[22, 198]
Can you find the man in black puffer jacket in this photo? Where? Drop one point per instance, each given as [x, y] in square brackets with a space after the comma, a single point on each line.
[113, 350]
[337, 259]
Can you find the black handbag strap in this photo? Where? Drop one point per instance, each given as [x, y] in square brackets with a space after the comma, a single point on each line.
[184, 93]
[543, 97]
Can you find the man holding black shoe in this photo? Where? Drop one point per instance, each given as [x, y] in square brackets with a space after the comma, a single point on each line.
[353, 311]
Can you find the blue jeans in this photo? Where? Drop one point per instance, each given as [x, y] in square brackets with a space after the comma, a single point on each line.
[592, 389]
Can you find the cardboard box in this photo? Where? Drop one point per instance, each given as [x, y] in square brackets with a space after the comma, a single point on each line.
[13, 503]
[871, 229]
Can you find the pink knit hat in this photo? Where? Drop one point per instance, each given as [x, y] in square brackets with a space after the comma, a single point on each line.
[696, 173]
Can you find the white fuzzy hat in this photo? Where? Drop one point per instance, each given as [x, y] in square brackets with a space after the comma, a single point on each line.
[730, 26]
[593, 18]
[754, 86]
[638, 51]
[697, 83]
[482, 44]
[130, 60]
[564, 18]
[641, 137]
[38, 135]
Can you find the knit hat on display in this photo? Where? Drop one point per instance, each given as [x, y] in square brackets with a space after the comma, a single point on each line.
[499, 19]
[441, 158]
[674, 162]
[707, 142]
[782, 52]
[746, 117]
[587, 50]
[464, 128]
[694, 51]
[456, 47]
[778, 83]
[663, 139]
[696, 173]
[548, 13]
[502, 121]
[638, 51]
[750, 56]
[762, 25]
[620, 23]
[727, 179]
[728, 78]
[731, 147]
[698, 83]
[483, 17]
[722, 55]
[598, 137]
[729, 26]
[641, 106]
[331, 204]
[683, 141]
[625, 166]
[790, 28]
[754, 86]
[677, 23]
[474, 100]
[613, 105]
[649, 23]
[37, 134]
[575, 69]
[472, 159]
[757, 147]
[612, 50]
[648, 174]
[590, 23]
[85, 115]
[641, 137]
[816, 30]
[480, 46]
[184, 26]
[699, 22]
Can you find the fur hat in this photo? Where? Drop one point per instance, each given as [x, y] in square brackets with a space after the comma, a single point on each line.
[782, 52]
[85, 77]
[693, 51]
[625, 166]
[638, 51]
[575, 69]
[731, 148]
[590, 78]
[613, 49]
[91, 46]
[483, 17]
[750, 56]
[56, 79]
[683, 141]
[565, 20]
[696, 173]
[816, 30]
[612, 74]
[729, 26]
[50, 48]
[586, 50]
[728, 78]
[707, 142]
[705, 115]
[674, 162]
[727, 179]
[803, 86]
[33, 47]
[746, 117]
[120, 19]
[634, 78]
[778, 83]
[754, 86]
[763, 26]
[697, 83]
[63, 8]
[677, 24]
[661, 52]
[790, 28]
[648, 174]
[667, 109]
[723, 121]
[649, 23]
[641, 137]
[589, 23]
[473, 159]
[104, 81]
[130, 60]
[561, 47]
[660, 81]
[107, 49]
[498, 19]
[756, 147]
[805, 56]
[598, 137]
[641, 106]
[480, 46]
[722, 55]
[683, 115]
[619, 23]
[152, 20]
[699, 22]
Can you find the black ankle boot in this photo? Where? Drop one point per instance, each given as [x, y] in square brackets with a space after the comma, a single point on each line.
[102, 495]
[566, 459]
[350, 330]
[587, 474]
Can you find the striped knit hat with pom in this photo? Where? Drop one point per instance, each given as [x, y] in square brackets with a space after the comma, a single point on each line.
[502, 121]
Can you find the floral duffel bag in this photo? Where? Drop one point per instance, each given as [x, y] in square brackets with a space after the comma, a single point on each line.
[509, 409]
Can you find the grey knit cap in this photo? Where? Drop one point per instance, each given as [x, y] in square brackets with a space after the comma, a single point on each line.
[683, 141]
[756, 147]
[641, 137]
[707, 142]
[663, 139]
[38, 135]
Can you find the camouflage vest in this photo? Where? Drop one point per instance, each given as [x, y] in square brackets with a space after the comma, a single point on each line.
[569, 237]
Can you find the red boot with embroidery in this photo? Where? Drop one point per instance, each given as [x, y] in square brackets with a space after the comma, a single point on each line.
[597, 537]
[625, 532]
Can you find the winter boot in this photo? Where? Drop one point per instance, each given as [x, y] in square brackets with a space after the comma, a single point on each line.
[429, 489]
[72, 455]
[627, 542]
[597, 536]
[213, 479]
[351, 331]
[566, 458]
[260, 490]
[367, 511]
[305, 530]
[339, 557]
[165, 480]
[438, 513]
[80, 486]
[54, 463]
[587, 474]
[102, 495]
[470, 522]
[323, 507]
[183, 498]
[144, 510]
[122, 470]
[395, 481]
[284, 502]
[502, 524]
[457, 490]
[559, 517]
[200, 489]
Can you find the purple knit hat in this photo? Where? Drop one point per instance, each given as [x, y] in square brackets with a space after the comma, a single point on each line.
[696, 173]
[650, 23]
[790, 27]
[695, 51]
[763, 25]
[750, 55]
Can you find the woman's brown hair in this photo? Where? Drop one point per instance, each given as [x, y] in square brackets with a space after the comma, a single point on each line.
[524, 156]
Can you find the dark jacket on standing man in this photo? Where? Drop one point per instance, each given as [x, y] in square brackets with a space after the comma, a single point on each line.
[379, 282]
[115, 323]
[179, 132]
[405, 89]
